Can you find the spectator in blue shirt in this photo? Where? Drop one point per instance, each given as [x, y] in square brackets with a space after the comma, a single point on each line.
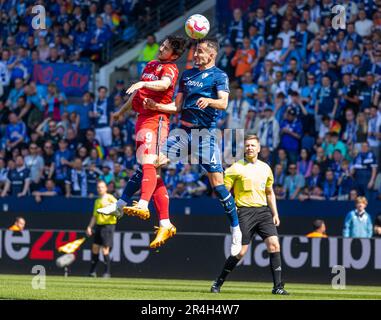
[15, 132]
[327, 101]
[273, 23]
[293, 183]
[332, 55]
[76, 182]
[101, 114]
[237, 28]
[358, 223]
[256, 39]
[18, 180]
[100, 35]
[171, 178]
[22, 35]
[330, 186]
[367, 92]
[315, 57]
[291, 133]
[364, 170]
[49, 190]
[303, 38]
[81, 37]
[15, 93]
[62, 158]
[345, 182]
[129, 159]
[23, 66]
[35, 95]
[225, 60]
[83, 111]
[315, 179]
[325, 71]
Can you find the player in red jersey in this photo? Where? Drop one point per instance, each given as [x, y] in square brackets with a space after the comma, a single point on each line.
[157, 82]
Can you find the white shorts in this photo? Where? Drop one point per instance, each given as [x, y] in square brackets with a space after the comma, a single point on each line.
[104, 136]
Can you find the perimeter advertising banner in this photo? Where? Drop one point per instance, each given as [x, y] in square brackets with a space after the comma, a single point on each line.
[196, 256]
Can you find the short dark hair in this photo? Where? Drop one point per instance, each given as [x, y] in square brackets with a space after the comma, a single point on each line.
[178, 44]
[317, 223]
[211, 43]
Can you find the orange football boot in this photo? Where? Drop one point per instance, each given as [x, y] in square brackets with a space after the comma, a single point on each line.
[136, 211]
[162, 235]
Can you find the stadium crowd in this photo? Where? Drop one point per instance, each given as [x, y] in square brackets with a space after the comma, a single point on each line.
[75, 30]
[311, 93]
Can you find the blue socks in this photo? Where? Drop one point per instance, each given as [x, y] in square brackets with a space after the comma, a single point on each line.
[133, 185]
[228, 203]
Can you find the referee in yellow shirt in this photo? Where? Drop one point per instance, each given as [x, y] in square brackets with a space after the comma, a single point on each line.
[103, 231]
[252, 181]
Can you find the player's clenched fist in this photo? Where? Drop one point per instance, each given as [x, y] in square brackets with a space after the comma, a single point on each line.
[148, 103]
[202, 103]
[89, 232]
[276, 220]
[116, 116]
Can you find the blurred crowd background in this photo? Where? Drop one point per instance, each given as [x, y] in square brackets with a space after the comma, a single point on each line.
[310, 92]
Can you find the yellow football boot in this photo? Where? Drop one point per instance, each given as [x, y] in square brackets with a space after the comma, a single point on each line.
[162, 235]
[136, 211]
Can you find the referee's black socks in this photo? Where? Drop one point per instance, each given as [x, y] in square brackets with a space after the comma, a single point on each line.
[107, 262]
[276, 268]
[94, 261]
[230, 264]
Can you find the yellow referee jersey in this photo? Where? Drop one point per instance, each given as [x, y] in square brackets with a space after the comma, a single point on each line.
[249, 182]
[101, 202]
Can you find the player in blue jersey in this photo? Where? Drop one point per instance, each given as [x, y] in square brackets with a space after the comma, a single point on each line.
[203, 93]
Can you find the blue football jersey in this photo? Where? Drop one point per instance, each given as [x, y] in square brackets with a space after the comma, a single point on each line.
[194, 84]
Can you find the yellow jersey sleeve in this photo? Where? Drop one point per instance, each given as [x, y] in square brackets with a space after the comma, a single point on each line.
[231, 175]
[270, 179]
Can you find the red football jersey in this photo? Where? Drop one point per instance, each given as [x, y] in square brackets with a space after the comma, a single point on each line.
[156, 70]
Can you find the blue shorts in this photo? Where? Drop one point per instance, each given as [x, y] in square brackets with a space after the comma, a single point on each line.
[194, 146]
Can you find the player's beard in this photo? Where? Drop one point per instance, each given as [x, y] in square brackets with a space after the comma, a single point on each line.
[161, 59]
[251, 156]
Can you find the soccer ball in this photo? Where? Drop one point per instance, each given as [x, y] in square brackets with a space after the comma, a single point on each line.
[197, 26]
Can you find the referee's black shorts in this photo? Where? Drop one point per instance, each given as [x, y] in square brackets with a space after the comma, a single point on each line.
[104, 235]
[254, 220]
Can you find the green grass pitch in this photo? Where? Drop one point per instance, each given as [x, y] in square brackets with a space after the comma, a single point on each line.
[78, 288]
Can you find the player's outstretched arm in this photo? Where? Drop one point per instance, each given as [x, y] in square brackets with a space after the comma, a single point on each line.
[221, 103]
[158, 85]
[125, 108]
[171, 108]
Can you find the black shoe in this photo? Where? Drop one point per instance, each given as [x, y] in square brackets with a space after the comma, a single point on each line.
[216, 287]
[92, 275]
[280, 290]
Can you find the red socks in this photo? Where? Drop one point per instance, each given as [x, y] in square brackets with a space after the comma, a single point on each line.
[154, 187]
[149, 182]
[161, 200]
